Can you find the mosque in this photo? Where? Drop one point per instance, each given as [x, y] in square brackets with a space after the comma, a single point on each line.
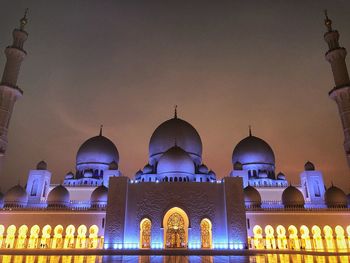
[175, 201]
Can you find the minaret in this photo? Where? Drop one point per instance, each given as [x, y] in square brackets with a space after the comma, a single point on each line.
[341, 92]
[9, 91]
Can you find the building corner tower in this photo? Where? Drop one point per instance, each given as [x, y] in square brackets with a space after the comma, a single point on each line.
[9, 91]
[341, 92]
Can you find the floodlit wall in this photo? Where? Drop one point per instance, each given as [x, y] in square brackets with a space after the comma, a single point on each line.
[220, 202]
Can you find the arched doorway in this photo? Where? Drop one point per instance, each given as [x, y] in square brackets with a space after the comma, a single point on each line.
[145, 233]
[175, 223]
[206, 235]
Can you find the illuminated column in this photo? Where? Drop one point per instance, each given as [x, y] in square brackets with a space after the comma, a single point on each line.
[341, 92]
[9, 91]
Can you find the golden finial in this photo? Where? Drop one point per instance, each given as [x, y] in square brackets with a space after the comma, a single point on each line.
[250, 130]
[101, 128]
[24, 19]
[327, 21]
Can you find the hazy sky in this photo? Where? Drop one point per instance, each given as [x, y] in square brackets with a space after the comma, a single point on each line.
[124, 64]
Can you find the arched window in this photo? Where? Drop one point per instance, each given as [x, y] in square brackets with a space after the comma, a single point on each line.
[93, 238]
[34, 189]
[305, 238]
[341, 243]
[171, 179]
[317, 189]
[293, 238]
[145, 233]
[175, 179]
[180, 179]
[206, 234]
[45, 189]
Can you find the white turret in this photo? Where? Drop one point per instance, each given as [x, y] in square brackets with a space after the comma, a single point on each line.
[341, 91]
[9, 91]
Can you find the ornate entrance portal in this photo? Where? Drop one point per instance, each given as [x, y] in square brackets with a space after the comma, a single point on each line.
[175, 224]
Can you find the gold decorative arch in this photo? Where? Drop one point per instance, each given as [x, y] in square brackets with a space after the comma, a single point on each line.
[145, 233]
[206, 234]
[175, 224]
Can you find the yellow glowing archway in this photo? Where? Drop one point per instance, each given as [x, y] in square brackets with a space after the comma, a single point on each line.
[10, 236]
[317, 238]
[93, 236]
[206, 234]
[281, 237]
[57, 240]
[69, 239]
[305, 238]
[328, 235]
[258, 238]
[22, 236]
[2, 230]
[341, 243]
[293, 238]
[34, 235]
[145, 233]
[175, 223]
[45, 237]
[270, 242]
[81, 237]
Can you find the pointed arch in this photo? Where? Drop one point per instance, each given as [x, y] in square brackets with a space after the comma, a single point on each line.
[175, 224]
[145, 233]
[206, 233]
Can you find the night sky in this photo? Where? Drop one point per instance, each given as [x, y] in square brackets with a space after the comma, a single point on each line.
[226, 64]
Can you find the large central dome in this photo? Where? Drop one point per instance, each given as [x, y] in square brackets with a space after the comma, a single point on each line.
[179, 131]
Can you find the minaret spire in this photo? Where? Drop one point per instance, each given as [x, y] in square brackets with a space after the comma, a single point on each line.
[175, 112]
[24, 20]
[101, 128]
[341, 91]
[9, 91]
[250, 130]
[327, 21]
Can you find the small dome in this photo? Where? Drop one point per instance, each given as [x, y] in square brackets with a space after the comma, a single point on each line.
[113, 166]
[252, 197]
[237, 166]
[42, 165]
[281, 176]
[99, 196]
[335, 197]
[59, 196]
[16, 197]
[97, 150]
[309, 166]
[147, 169]
[177, 129]
[69, 175]
[203, 169]
[176, 160]
[263, 174]
[292, 197]
[253, 150]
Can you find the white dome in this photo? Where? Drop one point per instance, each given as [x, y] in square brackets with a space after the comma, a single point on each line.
[178, 130]
[203, 169]
[97, 150]
[99, 196]
[335, 197]
[252, 197]
[59, 196]
[148, 169]
[42, 165]
[292, 197]
[253, 150]
[175, 160]
[16, 197]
